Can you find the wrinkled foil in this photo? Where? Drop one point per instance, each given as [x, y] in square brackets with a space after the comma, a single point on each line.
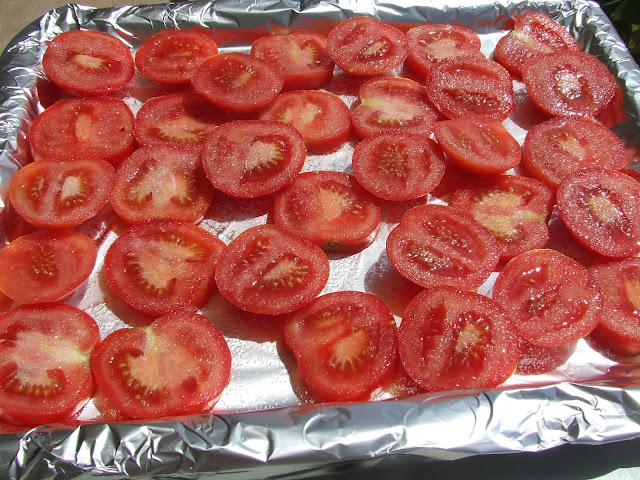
[265, 425]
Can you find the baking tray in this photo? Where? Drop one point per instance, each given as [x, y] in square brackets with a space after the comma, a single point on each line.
[264, 425]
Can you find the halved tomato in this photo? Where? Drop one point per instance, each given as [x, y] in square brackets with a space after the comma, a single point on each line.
[550, 298]
[53, 195]
[330, 209]
[178, 365]
[45, 376]
[450, 339]
[266, 270]
[345, 344]
[162, 265]
[88, 62]
[397, 166]
[46, 266]
[162, 182]
[441, 245]
[252, 158]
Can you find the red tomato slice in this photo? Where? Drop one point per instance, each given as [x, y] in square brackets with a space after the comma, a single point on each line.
[514, 209]
[471, 86]
[440, 245]
[534, 33]
[176, 119]
[83, 128]
[559, 146]
[429, 43]
[601, 208]
[53, 195]
[253, 158]
[397, 166]
[171, 56]
[88, 62]
[345, 344]
[478, 146]
[178, 365]
[300, 57]
[237, 82]
[162, 182]
[450, 339]
[393, 104]
[550, 298]
[46, 266]
[45, 376]
[569, 83]
[619, 282]
[322, 118]
[266, 270]
[330, 209]
[162, 265]
[366, 46]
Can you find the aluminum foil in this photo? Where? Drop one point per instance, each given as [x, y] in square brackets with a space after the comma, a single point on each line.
[265, 424]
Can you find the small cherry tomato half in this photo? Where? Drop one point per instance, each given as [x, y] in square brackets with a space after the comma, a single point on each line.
[178, 365]
[450, 339]
[45, 375]
[46, 266]
[345, 344]
[266, 270]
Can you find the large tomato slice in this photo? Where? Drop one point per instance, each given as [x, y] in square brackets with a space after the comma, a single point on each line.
[345, 344]
[45, 376]
[551, 299]
[46, 266]
[88, 62]
[162, 182]
[178, 365]
[162, 265]
[450, 339]
[441, 245]
[266, 270]
[53, 195]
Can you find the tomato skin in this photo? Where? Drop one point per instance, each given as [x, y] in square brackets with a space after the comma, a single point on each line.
[398, 166]
[365, 46]
[322, 118]
[393, 104]
[451, 339]
[178, 365]
[330, 209]
[300, 57]
[324, 336]
[162, 182]
[47, 266]
[171, 56]
[551, 299]
[266, 270]
[52, 195]
[601, 209]
[88, 62]
[237, 82]
[162, 265]
[82, 128]
[48, 344]
[441, 245]
[561, 145]
[478, 146]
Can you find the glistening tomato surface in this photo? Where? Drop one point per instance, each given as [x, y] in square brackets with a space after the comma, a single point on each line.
[551, 299]
[45, 376]
[53, 195]
[266, 270]
[345, 344]
[46, 266]
[450, 339]
[178, 365]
